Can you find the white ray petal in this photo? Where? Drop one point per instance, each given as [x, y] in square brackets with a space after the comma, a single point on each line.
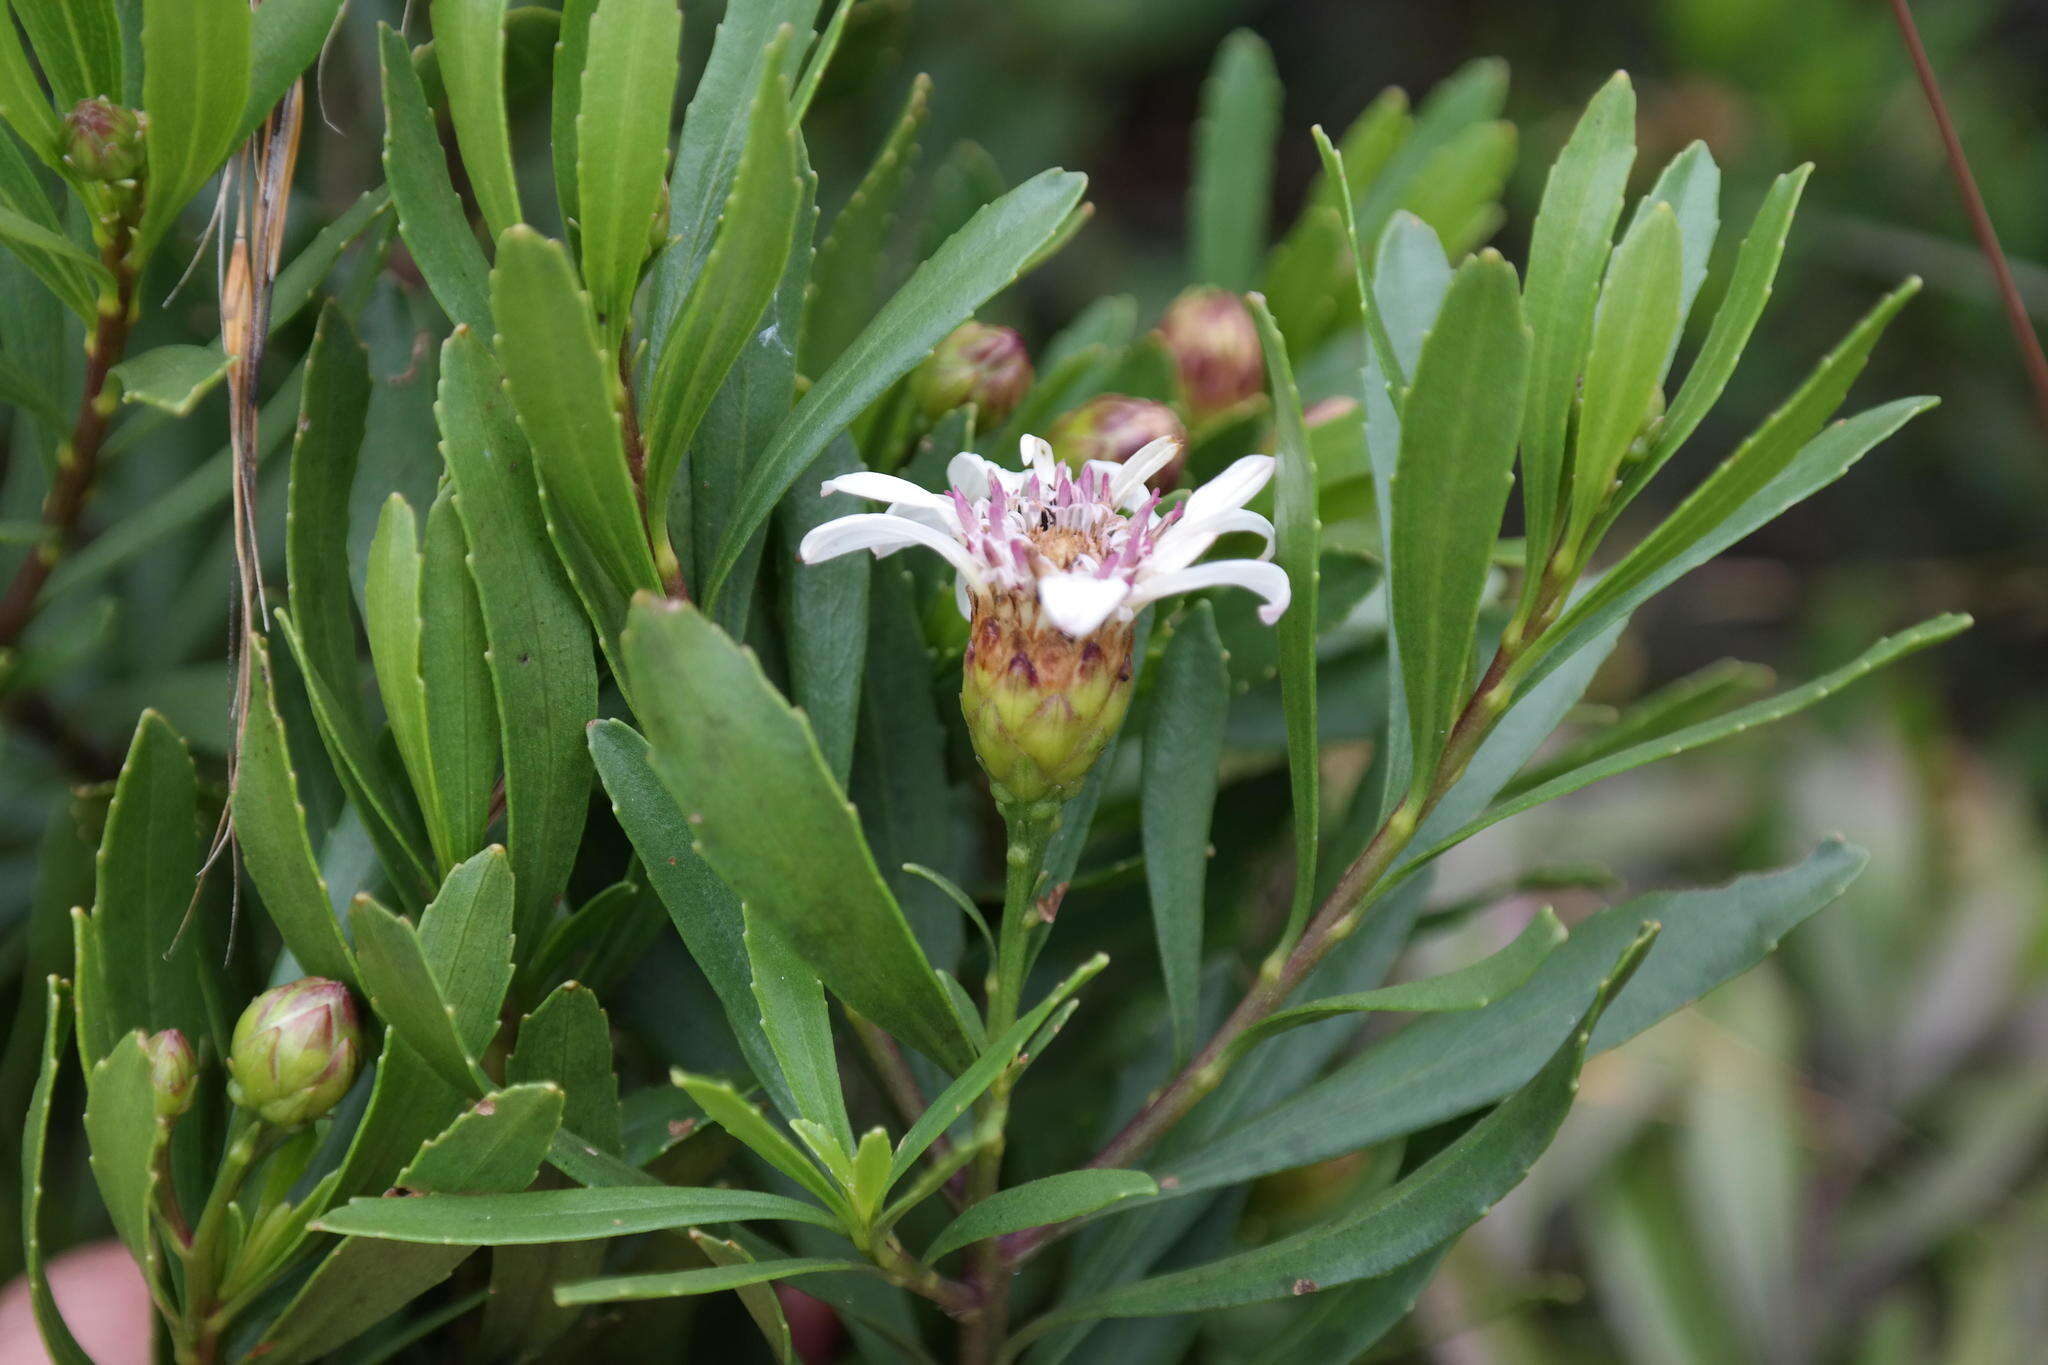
[1146, 461]
[961, 599]
[1037, 456]
[880, 532]
[969, 473]
[1266, 579]
[866, 483]
[1231, 489]
[1186, 541]
[1078, 603]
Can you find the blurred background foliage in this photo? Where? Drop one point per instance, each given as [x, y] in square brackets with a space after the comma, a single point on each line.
[1841, 1156]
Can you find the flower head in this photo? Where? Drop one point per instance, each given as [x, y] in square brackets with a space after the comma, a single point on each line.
[103, 140]
[1053, 565]
[1215, 346]
[976, 363]
[295, 1051]
[173, 1071]
[1112, 428]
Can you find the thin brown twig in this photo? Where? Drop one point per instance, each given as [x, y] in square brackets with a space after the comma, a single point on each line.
[2029, 342]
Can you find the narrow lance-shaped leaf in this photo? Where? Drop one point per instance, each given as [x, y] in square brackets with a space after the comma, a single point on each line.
[1633, 332]
[566, 391]
[195, 81]
[469, 40]
[558, 1215]
[56, 1333]
[711, 1280]
[622, 119]
[430, 217]
[285, 39]
[1567, 248]
[1036, 1203]
[462, 717]
[1297, 548]
[1458, 435]
[997, 244]
[746, 770]
[1183, 752]
[1233, 177]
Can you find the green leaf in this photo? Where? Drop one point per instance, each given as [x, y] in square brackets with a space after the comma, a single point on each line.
[461, 715]
[173, 378]
[1458, 433]
[1440, 1199]
[1773, 709]
[572, 49]
[466, 939]
[1756, 266]
[409, 1103]
[1634, 330]
[732, 292]
[1450, 1064]
[144, 886]
[724, 1106]
[430, 216]
[848, 280]
[746, 770]
[759, 1299]
[675, 1284]
[542, 673]
[1297, 538]
[1035, 1203]
[403, 990]
[22, 101]
[1183, 753]
[495, 1147]
[1691, 184]
[979, 260]
[799, 1028]
[391, 616]
[957, 1098]
[1474, 93]
[816, 64]
[56, 1334]
[26, 393]
[1457, 189]
[568, 1041]
[359, 1284]
[566, 394]
[825, 615]
[559, 1215]
[1231, 197]
[61, 264]
[195, 84]
[121, 1132]
[624, 99]
[285, 39]
[1780, 463]
[469, 41]
[78, 45]
[1567, 249]
[705, 913]
[1468, 988]
[270, 827]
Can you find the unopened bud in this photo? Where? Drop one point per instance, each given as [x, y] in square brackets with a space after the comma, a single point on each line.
[976, 363]
[295, 1051]
[1112, 427]
[173, 1072]
[103, 140]
[1215, 346]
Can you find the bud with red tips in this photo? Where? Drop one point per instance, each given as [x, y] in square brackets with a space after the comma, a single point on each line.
[173, 1072]
[1215, 346]
[295, 1051]
[1112, 427]
[976, 363]
[103, 140]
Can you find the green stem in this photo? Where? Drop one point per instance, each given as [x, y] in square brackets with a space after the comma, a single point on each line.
[1030, 830]
[249, 1141]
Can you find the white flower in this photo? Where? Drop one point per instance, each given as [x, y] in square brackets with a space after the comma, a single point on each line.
[1090, 547]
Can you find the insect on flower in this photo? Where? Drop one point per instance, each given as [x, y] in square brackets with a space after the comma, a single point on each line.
[1053, 567]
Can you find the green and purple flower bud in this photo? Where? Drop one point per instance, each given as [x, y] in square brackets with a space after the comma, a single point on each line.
[295, 1051]
[103, 140]
[976, 363]
[1215, 346]
[1040, 704]
[173, 1072]
[1112, 427]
